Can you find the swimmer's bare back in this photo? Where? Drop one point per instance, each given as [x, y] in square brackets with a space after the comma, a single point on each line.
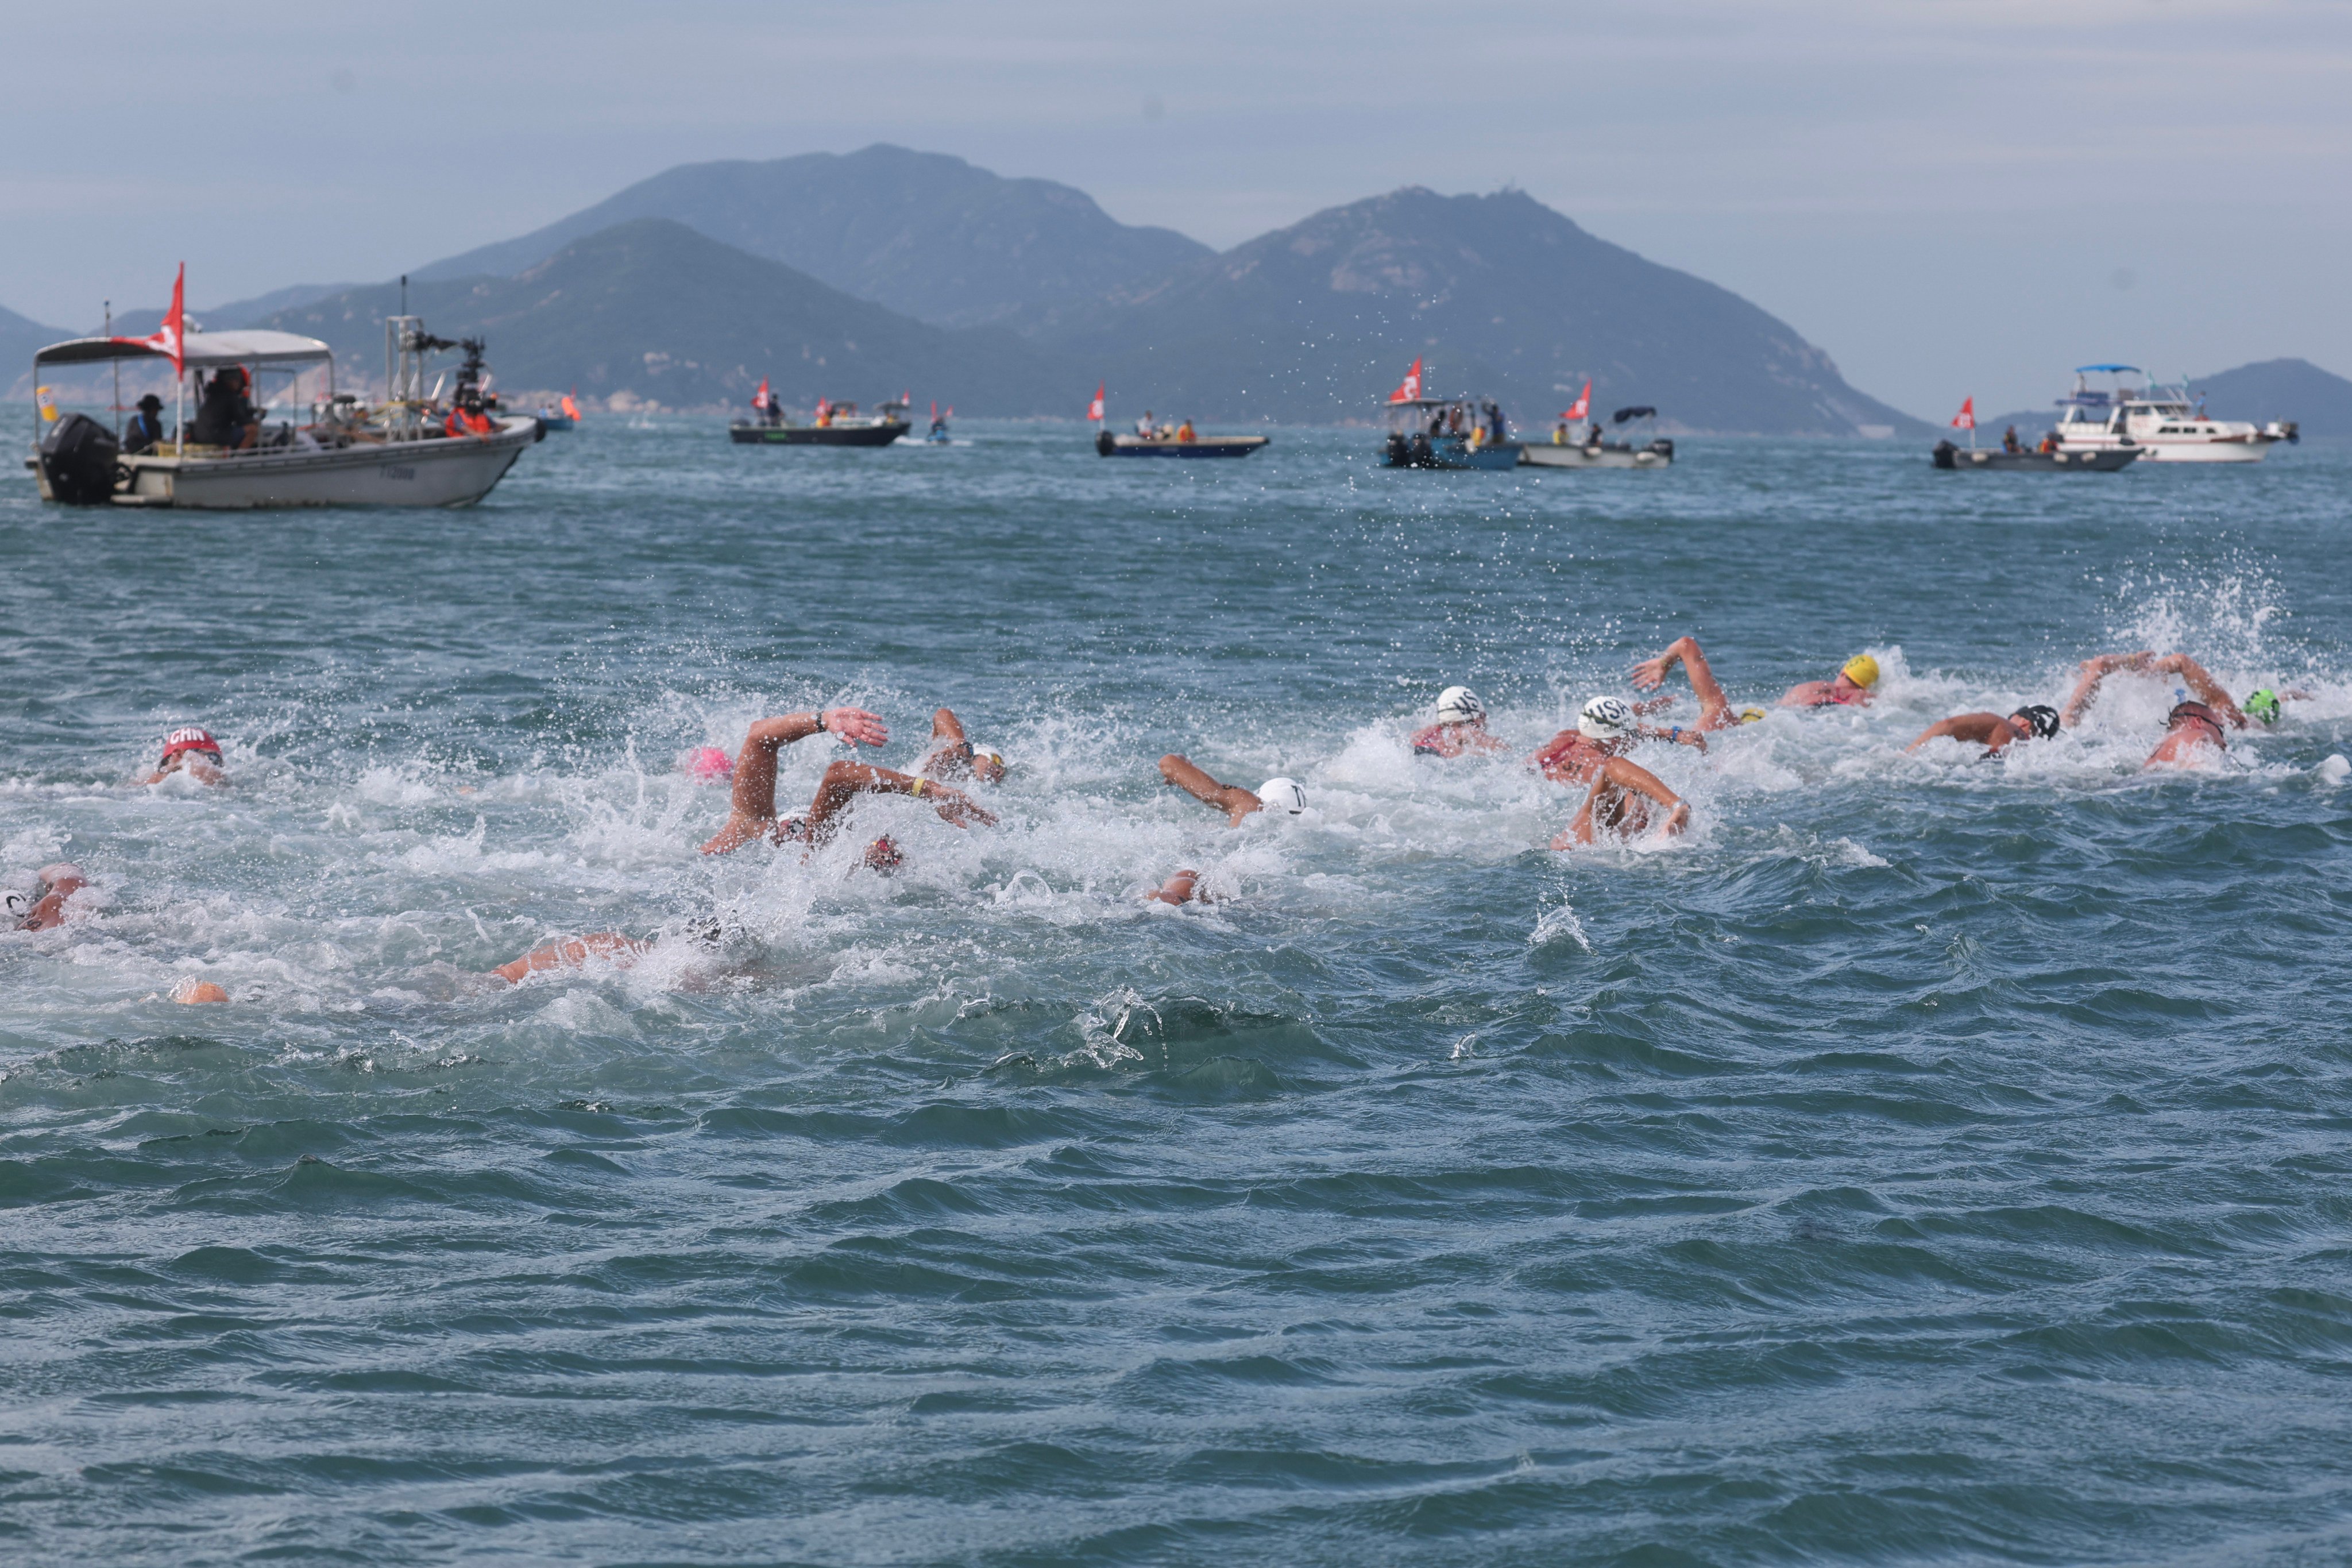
[751, 812]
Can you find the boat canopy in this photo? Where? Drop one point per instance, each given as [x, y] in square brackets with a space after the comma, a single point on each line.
[1639, 411]
[199, 350]
[2108, 370]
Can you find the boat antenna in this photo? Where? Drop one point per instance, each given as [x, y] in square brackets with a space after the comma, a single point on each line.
[404, 293]
[118, 376]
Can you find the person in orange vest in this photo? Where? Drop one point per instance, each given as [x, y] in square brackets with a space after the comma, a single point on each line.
[467, 419]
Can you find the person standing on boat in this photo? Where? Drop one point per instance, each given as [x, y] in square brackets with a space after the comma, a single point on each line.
[227, 417]
[468, 419]
[144, 433]
[1144, 429]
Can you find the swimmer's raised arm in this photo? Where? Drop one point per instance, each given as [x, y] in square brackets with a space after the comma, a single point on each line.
[1977, 728]
[2208, 689]
[2094, 670]
[1713, 707]
[1235, 802]
[1607, 808]
[753, 807]
[844, 782]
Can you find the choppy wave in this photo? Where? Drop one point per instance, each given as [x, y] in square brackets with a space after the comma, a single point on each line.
[1926, 1156]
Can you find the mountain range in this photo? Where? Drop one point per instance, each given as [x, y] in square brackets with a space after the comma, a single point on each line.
[871, 273]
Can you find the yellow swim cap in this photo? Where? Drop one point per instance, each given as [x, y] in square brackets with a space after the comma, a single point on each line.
[1751, 715]
[1862, 669]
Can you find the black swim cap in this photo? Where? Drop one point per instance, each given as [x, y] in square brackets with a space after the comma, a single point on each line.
[2040, 717]
[2191, 711]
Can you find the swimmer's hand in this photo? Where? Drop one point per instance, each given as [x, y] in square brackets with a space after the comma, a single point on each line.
[855, 725]
[954, 806]
[1650, 673]
[1677, 820]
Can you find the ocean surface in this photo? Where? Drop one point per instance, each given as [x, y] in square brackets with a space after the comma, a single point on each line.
[1924, 1159]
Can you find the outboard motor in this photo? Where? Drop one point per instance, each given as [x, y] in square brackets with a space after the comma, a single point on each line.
[1946, 455]
[78, 458]
[1105, 444]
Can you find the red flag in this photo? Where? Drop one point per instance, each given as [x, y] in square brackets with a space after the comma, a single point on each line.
[760, 398]
[824, 406]
[1410, 388]
[1582, 406]
[1966, 419]
[571, 409]
[167, 338]
[935, 408]
[1094, 409]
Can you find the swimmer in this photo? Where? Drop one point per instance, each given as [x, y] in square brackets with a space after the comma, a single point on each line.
[191, 751]
[1624, 800]
[1606, 728]
[1853, 686]
[1461, 727]
[753, 807]
[42, 907]
[2193, 735]
[2035, 721]
[707, 765]
[1281, 793]
[2207, 691]
[953, 756]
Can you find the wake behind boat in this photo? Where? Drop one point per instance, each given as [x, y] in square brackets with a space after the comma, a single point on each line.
[410, 450]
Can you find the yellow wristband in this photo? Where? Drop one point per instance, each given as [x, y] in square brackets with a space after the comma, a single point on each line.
[917, 789]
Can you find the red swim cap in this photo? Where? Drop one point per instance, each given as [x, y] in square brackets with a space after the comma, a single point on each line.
[190, 740]
[708, 764]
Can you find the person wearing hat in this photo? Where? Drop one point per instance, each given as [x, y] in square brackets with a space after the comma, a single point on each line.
[1853, 687]
[2034, 721]
[144, 431]
[191, 751]
[1626, 799]
[1607, 728]
[1280, 794]
[1461, 727]
[953, 756]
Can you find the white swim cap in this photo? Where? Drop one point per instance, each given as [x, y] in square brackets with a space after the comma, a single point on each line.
[1604, 719]
[1457, 704]
[1282, 794]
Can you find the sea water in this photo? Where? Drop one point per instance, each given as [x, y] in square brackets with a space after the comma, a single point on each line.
[1926, 1158]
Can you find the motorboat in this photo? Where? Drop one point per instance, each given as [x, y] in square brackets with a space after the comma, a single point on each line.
[836, 425]
[1565, 450]
[412, 449]
[2056, 459]
[938, 434]
[563, 415]
[1178, 443]
[2160, 420]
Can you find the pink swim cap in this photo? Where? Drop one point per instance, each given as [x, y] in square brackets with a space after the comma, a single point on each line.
[708, 764]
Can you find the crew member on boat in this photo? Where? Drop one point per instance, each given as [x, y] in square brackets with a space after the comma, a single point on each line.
[1185, 431]
[1144, 427]
[227, 417]
[144, 433]
[467, 417]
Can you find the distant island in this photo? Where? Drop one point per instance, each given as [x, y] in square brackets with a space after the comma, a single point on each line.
[872, 273]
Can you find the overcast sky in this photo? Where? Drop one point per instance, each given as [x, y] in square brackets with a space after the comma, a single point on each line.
[1950, 196]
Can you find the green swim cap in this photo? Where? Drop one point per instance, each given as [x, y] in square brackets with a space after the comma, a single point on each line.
[2262, 705]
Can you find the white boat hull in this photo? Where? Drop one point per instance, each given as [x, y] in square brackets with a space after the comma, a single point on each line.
[2178, 449]
[1539, 455]
[456, 470]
